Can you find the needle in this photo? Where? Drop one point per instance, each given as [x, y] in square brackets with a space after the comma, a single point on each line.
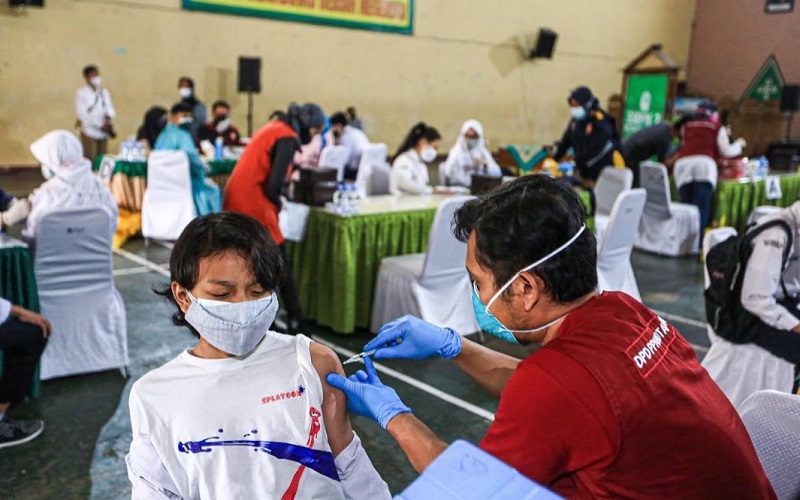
[359, 357]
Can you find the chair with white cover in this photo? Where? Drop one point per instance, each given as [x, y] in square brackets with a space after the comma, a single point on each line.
[611, 183]
[372, 156]
[614, 271]
[380, 179]
[761, 212]
[667, 228]
[77, 294]
[168, 204]
[772, 419]
[334, 157]
[433, 285]
[741, 369]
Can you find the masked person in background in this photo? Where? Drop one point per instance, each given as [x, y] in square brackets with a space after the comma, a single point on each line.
[220, 126]
[352, 138]
[469, 156]
[70, 182]
[176, 136]
[95, 112]
[313, 130]
[613, 405]
[592, 135]
[246, 412]
[154, 122]
[196, 107]
[256, 188]
[410, 166]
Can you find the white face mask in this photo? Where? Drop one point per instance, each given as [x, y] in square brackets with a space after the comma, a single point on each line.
[428, 154]
[185, 92]
[186, 120]
[223, 125]
[578, 112]
[96, 81]
[232, 327]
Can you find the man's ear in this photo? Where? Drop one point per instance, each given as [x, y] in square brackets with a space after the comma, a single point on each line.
[181, 296]
[529, 287]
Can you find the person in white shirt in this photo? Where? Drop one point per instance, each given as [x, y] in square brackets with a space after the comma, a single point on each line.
[769, 292]
[469, 156]
[409, 169]
[70, 182]
[95, 113]
[246, 412]
[352, 138]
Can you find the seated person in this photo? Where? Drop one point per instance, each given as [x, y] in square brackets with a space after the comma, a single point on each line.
[352, 138]
[310, 123]
[23, 335]
[768, 291]
[246, 412]
[469, 156]
[70, 184]
[177, 136]
[220, 126]
[12, 210]
[154, 122]
[410, 167]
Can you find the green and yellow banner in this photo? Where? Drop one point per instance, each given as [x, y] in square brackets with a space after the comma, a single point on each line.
[393, 16]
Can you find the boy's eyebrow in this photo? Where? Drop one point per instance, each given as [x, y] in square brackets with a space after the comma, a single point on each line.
[222, 282]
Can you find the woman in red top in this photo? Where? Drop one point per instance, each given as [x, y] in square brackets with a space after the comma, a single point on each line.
[255, 188]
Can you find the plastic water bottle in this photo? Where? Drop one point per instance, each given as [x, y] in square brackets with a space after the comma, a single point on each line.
[763, 167]
[337, 199]
[354, 199]
[219, 151]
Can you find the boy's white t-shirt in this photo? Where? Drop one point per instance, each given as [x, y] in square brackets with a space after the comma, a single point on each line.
[248, 427]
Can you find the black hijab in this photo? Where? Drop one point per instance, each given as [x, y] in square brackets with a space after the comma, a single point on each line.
[154, 123]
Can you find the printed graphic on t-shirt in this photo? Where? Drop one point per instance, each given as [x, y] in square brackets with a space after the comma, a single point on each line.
[650, 348]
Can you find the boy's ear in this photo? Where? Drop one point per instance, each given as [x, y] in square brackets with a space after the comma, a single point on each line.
[181, 296]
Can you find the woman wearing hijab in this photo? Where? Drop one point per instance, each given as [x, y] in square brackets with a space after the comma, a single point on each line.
[469, 156]
[70, 184]
[410, 166]
[154, 122]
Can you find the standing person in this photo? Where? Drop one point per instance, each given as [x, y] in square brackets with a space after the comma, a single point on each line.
[310, 123]
[256, 187]
[176, 136]
[352, 138]
[198, 109]
[410, 166]
[23, 336]
[593, 136]
[655, 141]
[613, 405]
[469, 156]
[220, 126]
[353, 119]
[153, 123]
[95, 112]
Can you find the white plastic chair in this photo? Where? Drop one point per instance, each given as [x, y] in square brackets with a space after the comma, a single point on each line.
[667, 228]
[610, 184]
[434, 285]
[335, 157]
[741, 369]
[761, 212]
[372, 156]
[380, 179]
[167, 205]
[77, 293]
[614, 271]
[772, 419]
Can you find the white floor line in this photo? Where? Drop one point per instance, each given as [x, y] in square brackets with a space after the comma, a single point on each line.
[165, 244]
[433, 391]
[131, 270]
[686, 321]
[141, 261]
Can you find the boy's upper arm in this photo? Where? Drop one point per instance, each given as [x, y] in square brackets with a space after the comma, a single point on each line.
[334, 402]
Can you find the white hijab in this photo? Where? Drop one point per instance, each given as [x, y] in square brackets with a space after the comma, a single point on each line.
[461, 161]
[70, 183]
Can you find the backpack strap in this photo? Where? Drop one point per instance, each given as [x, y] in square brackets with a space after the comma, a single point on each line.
[754, 230]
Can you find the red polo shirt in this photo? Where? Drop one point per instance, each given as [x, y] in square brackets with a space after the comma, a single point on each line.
[617, 406]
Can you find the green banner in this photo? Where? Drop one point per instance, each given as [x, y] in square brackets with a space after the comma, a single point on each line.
[645, 102]
[381, 15]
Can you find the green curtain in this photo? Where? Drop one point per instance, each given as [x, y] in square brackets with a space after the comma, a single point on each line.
[735, 199]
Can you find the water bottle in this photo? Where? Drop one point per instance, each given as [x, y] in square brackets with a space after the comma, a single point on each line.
[763, 167]
[337, 200]
[355, 200]
[219, 150]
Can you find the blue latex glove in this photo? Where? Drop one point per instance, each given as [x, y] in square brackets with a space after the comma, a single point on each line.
[367, 396]
[417, 340]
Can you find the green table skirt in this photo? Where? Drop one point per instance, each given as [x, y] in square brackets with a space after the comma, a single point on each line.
[18, 285]
[735, 199]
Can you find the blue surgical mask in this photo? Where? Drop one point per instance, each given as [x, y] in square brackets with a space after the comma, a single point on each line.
[489, 323]
[232, 327]
[472, 143]
[578, 113]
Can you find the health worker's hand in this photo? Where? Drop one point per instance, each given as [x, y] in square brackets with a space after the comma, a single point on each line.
[367, 396]
[412, 338]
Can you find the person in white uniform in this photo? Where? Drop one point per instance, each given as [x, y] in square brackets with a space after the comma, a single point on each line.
[246, 412]
[409, 169]
[352, 138]
[95, 112]
[469, 156]
[70, 182]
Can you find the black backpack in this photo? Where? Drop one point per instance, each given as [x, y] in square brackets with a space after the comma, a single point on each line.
[726, 263]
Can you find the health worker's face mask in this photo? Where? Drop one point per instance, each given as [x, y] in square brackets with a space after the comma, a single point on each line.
[185, 92]
[472, 143]
[428, 154]
[489, 323]
[185, 122]
[578, 113]
[232, 327]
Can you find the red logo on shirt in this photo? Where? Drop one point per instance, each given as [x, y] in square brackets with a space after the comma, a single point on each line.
[650, 348]
[284, 395]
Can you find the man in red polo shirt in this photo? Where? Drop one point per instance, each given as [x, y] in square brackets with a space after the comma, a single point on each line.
[614, 404]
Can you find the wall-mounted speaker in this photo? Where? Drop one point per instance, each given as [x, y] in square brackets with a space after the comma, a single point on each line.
[250, 74]
[545, 44]
[790, 99]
